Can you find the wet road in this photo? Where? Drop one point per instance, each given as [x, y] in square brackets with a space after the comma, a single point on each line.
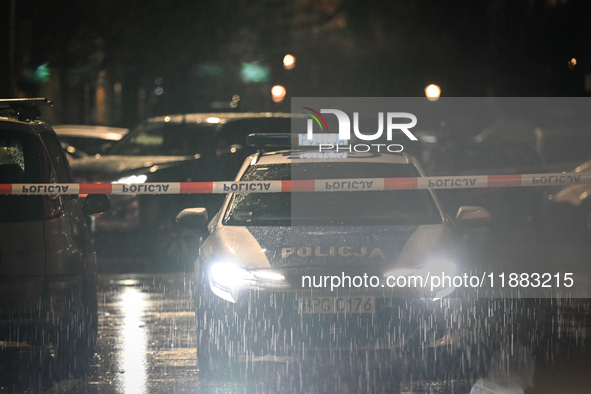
[147, 338]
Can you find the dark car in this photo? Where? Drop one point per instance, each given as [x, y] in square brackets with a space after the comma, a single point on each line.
[174, 148]
[48, 268]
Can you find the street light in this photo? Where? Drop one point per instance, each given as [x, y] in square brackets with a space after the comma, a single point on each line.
[278, 93]
[289, 62]
[432, 92]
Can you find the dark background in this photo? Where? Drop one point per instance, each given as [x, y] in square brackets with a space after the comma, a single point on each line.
[105, 59]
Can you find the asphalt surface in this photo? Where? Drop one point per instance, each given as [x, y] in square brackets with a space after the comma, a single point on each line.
[147, 339]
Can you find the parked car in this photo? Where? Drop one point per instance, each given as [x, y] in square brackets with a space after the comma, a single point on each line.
[48, 268]
[89, 139]
[174, 148]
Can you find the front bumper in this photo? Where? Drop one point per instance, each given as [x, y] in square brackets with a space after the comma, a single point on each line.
[275, 324]
[321, 281]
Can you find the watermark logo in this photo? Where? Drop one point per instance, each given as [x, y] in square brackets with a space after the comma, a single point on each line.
[344, 133]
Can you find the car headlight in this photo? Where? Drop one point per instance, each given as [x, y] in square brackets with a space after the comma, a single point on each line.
[270, 276]
[439, 267]
[132, 179]
[229, 276]
[229, 281]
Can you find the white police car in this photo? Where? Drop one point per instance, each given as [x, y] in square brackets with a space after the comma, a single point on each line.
[266, 278]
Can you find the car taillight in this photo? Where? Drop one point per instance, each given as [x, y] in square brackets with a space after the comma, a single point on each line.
[52, 207]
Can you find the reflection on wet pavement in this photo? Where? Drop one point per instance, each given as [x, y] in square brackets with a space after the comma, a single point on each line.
[146, 337]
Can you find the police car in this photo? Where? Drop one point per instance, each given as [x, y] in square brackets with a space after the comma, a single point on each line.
[267, 273]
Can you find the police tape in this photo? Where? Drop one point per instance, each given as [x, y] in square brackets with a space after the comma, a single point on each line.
[318, 185]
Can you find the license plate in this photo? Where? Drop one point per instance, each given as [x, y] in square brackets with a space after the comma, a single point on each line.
[337, 304]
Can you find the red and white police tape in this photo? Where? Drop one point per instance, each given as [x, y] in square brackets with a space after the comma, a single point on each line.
[363, 184]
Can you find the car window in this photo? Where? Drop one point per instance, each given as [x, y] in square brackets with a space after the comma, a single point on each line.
[21, 160]
[162, 139]
[395, 207]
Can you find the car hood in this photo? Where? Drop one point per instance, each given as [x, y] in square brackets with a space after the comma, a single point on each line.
[403, 246]
[114, 165]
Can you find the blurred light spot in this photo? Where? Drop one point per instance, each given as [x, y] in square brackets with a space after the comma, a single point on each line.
[71, 149]
[131, 179]
[254, 72]
[153, 168]
[158, 91]
[213, 120]
[429, 139]
[101, 109]
[572, 63]
[158, 81]
[210, 70]
[112, 136]
[129, 282]
[433, 92]
[41, 74]
[289, 62]
[167, 119]
[278, 93]
[117, 87]
[234, 102]
[233, 150]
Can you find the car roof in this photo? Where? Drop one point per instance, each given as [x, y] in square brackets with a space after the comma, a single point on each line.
[301, 156]
[217, 118]
[101, 132]
[32, 126]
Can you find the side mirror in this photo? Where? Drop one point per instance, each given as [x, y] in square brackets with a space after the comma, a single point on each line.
[95, 203]
[193, 219]
[472, 216]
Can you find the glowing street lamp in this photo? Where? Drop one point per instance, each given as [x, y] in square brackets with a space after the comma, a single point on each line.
[278, 93]
[433, 92]
[289, 62]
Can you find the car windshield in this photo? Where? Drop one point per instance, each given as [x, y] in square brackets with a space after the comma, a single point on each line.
[394, 207]
[164, 139]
